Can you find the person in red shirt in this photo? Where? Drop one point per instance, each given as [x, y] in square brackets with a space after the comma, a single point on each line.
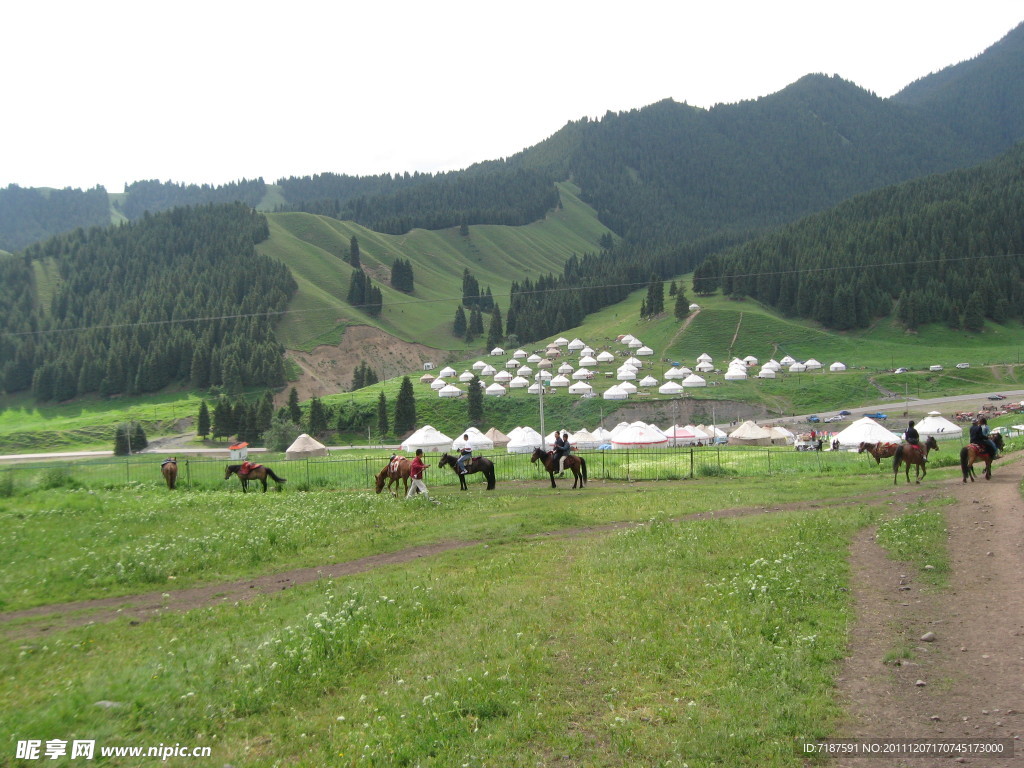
[416, 471]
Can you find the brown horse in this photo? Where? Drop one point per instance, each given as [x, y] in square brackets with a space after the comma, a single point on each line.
[169, 469]
[972, 453]
[879, 450]
[918, 456]
[577, 464]
[258, 472]
[473, 465]
[397, 468]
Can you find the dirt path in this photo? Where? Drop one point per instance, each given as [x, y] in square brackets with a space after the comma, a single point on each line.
[973, 671]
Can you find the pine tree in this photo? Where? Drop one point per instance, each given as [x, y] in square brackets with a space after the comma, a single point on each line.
[682, 306]
[353, 253]
[203, 425]
[383, 428]
[294, 411]
[475, 403]
[476, 324]
[459, 324]
[318, 422]
[494, 332]
[405, 408]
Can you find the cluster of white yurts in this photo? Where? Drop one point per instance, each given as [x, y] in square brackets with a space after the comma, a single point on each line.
[525, 439]
[576, 366]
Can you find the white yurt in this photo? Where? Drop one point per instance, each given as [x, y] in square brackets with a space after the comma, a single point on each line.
[617, 429]
[640, 436]
[587, 352]
[580, 388]
[735, 374]
[714, 433]
[534, 389]
[705, 358]
[939, 427]
[635, 344]
[678, 435]
[693, 380]
[749, 433]
[587, 362]
[446, 372]
[426, 378]
[477, 439]
[694, 307]
[305, 447]
[644, 351]
[699, 433]
[466, 376]
[677, 373]
[449, 390]
[626, 339]
[584, 440]
[615, 393]
[488, 370]
[543, 376]
[575, 345]
[552, 351]
[705, 367]
[781, 436]
[774, 364]
[478, 365]
[787, 360]
[797, 368]
[519, 354]
[648, 381]
[627, 386]
[865, 430]
[503, 377]
[497, 437]
[626, 374]
[603, 435]
[561, 341]
[836, 367]
[670, 388]
[604, 356]
[565, 369]
[497, 351]
[750, 360]
[545, 364]
[524, 371]
[582, 374]
[560, 381]
[519, 382]
[523, 440]
[766, 373]
[512, 363]
[495, 390]
[427, 438]
[438, 384]
[533, 359]
[638, 364]
[813, 365]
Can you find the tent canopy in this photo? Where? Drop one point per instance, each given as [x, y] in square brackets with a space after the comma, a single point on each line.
[304, 447]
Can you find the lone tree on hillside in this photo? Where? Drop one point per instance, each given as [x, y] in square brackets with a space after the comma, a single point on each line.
[475, 403]
[129, 438]
[405, 408]
[203, 422]
[383, 427]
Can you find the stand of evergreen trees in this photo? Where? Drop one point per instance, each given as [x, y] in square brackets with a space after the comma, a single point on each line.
[30, 215]
[180, 296]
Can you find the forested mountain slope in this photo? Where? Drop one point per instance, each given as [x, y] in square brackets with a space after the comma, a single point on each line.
[947, 248]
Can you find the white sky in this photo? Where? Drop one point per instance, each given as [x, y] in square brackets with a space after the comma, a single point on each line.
[111, 91]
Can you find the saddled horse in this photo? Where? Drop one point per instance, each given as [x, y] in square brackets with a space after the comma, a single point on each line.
[907, 454]
[474, 464]
[879, 450]
[257, 472]
[973, 452]
[577, 464]
[397, 469]
[169, 469]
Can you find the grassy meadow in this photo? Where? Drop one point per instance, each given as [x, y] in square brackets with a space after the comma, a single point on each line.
[527, 648]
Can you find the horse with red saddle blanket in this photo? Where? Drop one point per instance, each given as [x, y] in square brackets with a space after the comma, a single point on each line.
[969, 454]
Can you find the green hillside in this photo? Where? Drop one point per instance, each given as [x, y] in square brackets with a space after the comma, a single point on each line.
[312, 247]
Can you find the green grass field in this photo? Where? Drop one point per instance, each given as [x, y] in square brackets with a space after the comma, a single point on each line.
[510, 652]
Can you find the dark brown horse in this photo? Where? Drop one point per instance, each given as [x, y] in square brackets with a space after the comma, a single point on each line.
[397, 468]
[577, 464]
[257, 472]
[972, 453]
[879, 450]
[169, 469]
[473, 465]
[917, 455]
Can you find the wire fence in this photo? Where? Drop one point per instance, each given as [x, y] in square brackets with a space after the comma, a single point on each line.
[360, 473]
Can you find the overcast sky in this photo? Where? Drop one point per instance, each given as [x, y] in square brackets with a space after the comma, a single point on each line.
[109, 92]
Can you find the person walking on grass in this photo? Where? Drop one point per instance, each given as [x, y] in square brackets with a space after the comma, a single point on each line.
[416, 470]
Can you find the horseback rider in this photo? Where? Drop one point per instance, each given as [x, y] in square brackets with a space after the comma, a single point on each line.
[465, 454]
[985, 441]
[912, 437]
[562, 449]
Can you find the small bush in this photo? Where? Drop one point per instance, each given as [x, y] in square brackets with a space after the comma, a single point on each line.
[712, 470]
[57, 477]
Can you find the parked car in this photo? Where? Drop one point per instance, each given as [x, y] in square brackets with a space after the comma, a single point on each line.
[880, 416]
[832, 419]
[935, 368]
[997, 397]
[813, 419]
[963, 365]
[902, 370]
[844, 413]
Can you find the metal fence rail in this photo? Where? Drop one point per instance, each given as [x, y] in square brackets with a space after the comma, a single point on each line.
[359, 473]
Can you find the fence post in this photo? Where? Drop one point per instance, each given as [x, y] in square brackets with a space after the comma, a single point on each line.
[307, 473]
[188, 475]
[769, 452]
[691, 462]
[127, 471]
